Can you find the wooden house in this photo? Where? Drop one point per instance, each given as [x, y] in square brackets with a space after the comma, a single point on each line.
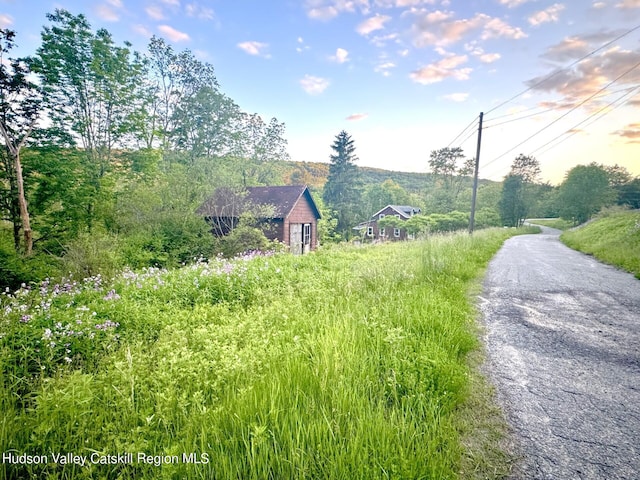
[285, 213]
[369, 230]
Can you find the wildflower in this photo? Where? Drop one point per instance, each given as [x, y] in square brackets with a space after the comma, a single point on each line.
[112, 295]
[107, 324]
[47, 334]
[67, 359]
[25, 318]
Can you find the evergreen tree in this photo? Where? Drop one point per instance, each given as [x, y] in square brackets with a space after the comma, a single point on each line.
[512, 205]
[343, 188]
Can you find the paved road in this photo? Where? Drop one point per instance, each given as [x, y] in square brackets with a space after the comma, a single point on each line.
[563, 348]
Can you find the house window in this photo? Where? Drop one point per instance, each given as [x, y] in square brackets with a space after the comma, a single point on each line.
[382, 232]
[306, 235]
[369, 231]
[396, 232]
[381, 216]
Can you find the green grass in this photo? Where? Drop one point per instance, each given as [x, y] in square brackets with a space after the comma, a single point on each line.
[613, 237]
[559, 223]
[350, 363]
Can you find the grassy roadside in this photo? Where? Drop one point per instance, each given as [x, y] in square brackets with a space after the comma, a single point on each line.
[558, 223]
[350, 363]
[613, 237]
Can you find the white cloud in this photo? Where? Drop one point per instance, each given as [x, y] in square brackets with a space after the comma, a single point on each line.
[328, 9]
[106, 13]
[598, 5]
[404, 53]
[141, 30]
[173, 34]
[441, 70]
[155, 12]
[489, 57]
[340, 56]
[173, 3]
[115, 3]
[314, 85]
[551, 14]
[513, 3]
[198, 11]
[357, 116]
[457, 97]
[384, 68]
[254, 48]
[372, 24]
[5, 20]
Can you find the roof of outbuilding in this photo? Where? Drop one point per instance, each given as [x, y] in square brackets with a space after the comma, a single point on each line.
[281, 198]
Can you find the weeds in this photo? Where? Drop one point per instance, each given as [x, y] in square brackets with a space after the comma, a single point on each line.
[349, 363]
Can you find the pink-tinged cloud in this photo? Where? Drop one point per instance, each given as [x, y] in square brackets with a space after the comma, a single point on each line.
[314, 85]
[173, 34]
[173, 3]
[630, 132]
[155, 12]
[628, 4]
[438, 28]
[254, 48]
[106, 13]
[551, 14]
[489, 57]
[357, 116]
[323, 13]
[115, 3]
[598, 5]
[590, 75]
[372, 24]
[384, 68]
[5, 20]
[441, 70]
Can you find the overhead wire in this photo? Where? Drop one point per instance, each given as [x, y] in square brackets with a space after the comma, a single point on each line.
[594, 117]
[462, 132]
[564, 115]
[557, 72]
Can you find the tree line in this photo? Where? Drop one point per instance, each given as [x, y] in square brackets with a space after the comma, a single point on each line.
[107, 152]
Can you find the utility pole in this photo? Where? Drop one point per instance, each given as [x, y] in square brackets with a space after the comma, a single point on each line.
[475, 178]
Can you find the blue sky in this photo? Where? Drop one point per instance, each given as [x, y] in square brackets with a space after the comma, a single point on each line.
[405, 77]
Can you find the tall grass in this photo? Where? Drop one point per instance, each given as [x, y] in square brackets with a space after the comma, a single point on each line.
[344, 364]
[613, 237]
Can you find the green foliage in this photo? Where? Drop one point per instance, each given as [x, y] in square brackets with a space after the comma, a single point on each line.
[557, 223]
[342, 191]
[236, 360]
[449, 222]
[612, 237]
[513, 207]
[243, 238]
[15, 269]
[584, 192]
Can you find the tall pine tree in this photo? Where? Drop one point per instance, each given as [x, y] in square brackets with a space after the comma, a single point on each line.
[342, 192]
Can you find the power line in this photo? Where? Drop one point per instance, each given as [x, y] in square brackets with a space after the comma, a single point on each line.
[463, 132]
[606, 94]
[571, 131]
[565, 114]
[553, 74]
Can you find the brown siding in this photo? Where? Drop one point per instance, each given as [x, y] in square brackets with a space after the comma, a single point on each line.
[302, 213]
[389, 231]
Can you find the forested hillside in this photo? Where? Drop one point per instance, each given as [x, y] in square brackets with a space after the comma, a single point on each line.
[107, 152]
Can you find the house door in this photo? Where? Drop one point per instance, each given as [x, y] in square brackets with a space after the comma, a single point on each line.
[295, 238]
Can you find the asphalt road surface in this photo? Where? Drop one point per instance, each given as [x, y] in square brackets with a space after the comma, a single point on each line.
[563, 351]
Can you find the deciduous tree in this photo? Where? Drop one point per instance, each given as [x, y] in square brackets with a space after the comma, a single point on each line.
[20, 104]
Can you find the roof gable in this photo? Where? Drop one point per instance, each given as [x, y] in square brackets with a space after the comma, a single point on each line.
[405, 211]
[282, 199]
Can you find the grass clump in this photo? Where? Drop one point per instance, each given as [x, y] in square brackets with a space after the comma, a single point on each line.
[349, 363]
[613, 237]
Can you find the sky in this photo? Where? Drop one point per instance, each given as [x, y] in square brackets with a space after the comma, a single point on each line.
[559, 79]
